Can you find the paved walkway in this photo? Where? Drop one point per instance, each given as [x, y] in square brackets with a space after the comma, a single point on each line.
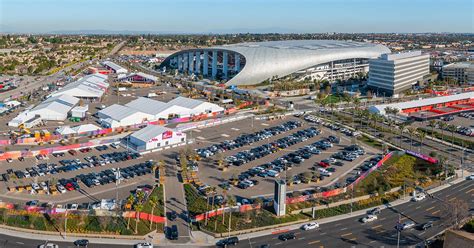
[175, 201]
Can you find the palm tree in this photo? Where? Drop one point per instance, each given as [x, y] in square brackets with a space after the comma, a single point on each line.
[432, 125]
[421, 136]
[153, 202]
[138, 209]
[442, 126]
[402, 129]
[411, 132]
[231, 202]
[130, 201]
[224, 193]
[452, 128]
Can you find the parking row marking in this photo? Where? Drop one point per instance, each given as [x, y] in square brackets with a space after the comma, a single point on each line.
[435, 212]
[429, 208]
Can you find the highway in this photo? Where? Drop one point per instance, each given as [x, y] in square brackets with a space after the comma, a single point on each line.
[379, 233]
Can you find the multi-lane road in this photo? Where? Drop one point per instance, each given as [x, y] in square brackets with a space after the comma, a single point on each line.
[381, 232]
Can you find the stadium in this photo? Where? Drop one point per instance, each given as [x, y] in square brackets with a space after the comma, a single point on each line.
[252, 63]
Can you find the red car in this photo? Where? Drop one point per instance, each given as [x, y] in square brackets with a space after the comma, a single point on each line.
[69, 187]
[323, 164]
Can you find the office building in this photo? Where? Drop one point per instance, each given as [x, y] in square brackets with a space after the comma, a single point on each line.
[391, 74]
[462, 72]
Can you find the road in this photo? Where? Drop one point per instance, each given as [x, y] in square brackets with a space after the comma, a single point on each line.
[379, 233]
[15, 242]
[176, 202]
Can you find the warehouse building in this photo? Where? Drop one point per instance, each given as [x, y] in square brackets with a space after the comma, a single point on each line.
[90, 88]
[138, 79]
[114, 67]
[430, 107]
[144, 109]
[121, 116]
[55, 108]
[153, 137]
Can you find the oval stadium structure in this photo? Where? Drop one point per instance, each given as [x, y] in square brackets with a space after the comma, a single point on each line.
[254, 62]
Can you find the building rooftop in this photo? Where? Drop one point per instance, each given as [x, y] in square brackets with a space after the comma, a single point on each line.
[402, 55]
[149, 132]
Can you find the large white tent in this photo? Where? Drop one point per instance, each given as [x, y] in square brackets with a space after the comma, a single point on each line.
[89, 87]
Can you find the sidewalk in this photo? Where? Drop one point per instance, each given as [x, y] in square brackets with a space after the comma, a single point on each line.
[211, 240]
[198, 238]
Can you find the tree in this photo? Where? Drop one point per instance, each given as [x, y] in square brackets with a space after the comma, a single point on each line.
[421, 136]
[231, 202]
[456, 211]
[138, 209]
[130, 201]
[153, 202]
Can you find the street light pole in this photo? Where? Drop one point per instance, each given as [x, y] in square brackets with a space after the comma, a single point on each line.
[352, 197]
[398, 231]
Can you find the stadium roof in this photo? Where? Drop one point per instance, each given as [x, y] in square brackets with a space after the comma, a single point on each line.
[149, 132]
[423, 102]
[265, 60]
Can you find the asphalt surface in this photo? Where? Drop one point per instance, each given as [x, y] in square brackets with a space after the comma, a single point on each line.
[381, 232]
[14, 242]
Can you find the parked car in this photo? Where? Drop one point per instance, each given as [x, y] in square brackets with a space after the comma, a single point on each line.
[144, 245]
[172, 232]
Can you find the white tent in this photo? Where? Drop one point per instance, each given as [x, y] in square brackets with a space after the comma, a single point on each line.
[85, 128]
[65, 130]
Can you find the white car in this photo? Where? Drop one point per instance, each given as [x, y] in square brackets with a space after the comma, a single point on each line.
[144, 245]
[61, 188]
[405, 225]
[418, 197]
[35, 186]
[48, 245]
[369, 218]
[471, 177]
[310, 226]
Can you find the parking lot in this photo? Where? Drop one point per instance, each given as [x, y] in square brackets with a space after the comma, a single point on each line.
[464, 124]
[293, 154]
[82, 176]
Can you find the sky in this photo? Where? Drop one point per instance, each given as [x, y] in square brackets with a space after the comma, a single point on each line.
[231, 16]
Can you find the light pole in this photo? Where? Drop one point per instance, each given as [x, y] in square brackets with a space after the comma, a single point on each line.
[398, 231]
[352, 197]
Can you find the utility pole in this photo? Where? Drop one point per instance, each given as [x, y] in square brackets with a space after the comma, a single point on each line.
[398, 231]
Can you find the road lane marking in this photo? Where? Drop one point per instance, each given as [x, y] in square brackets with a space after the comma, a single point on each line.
[418, 207]
[429, 208]
[20, 243]
[197, 130]
[264, 124]
[345, 228]
[382, 218]
[338, 224]
[279, 243]
[346, 234]
[421, 233]
[372, 241]
[469, 191]
[301, 238]
[225, 135]
[452, 199]
[435, 212]
[352, 239]
[314, 242]
[377, 226]
[235, 129]
[323, 233]
[201, 138]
